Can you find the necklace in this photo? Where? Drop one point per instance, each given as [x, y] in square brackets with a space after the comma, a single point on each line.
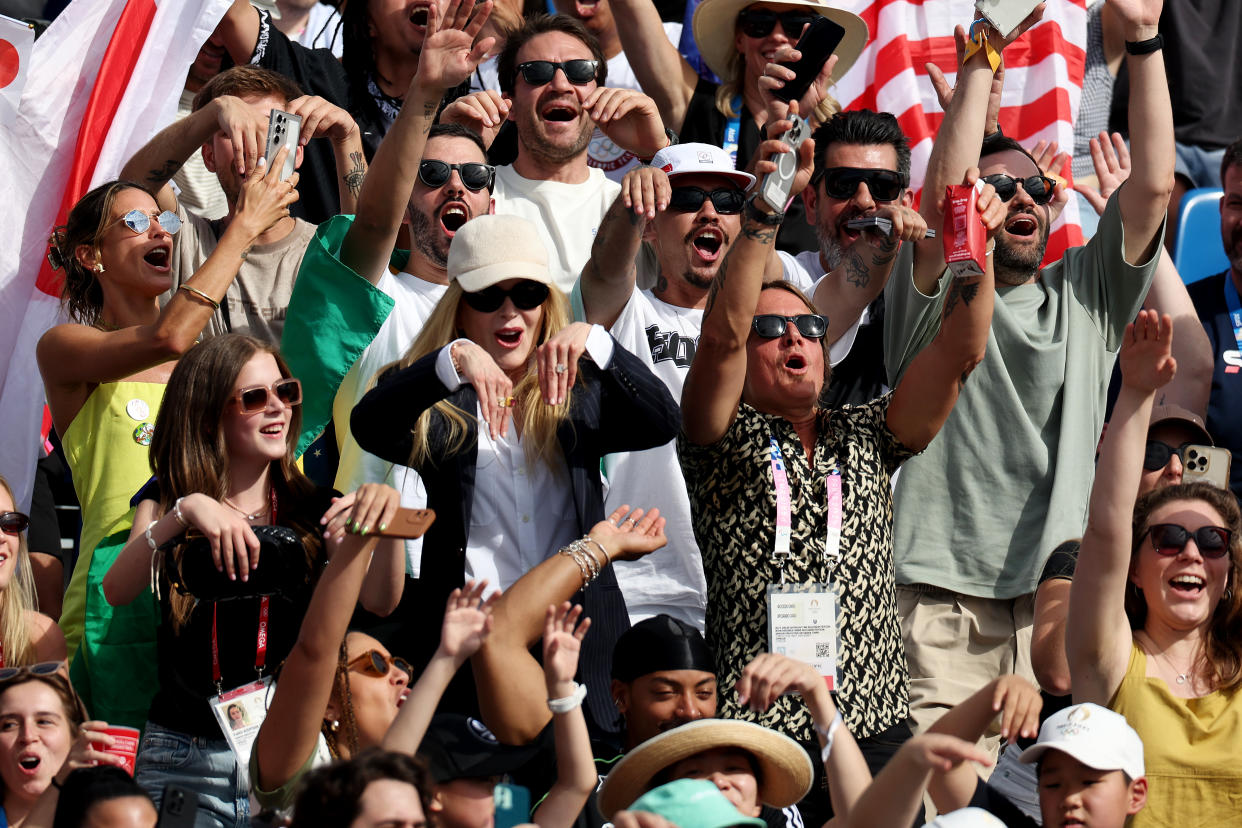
[242, 512]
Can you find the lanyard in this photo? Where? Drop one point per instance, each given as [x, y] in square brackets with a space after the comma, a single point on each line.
[733, 129]
[260, 647]
[784, 516]
[1235, 309]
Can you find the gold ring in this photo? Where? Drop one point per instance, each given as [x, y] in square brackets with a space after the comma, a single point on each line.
[506, 402]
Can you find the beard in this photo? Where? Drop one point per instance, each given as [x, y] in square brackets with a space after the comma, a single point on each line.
[830, 250]
[428, 238]
[1016, 266]
[546, 150]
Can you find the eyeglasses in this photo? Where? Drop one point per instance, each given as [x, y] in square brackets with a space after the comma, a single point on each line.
[13, 523]
[760, 22]
[726, 200]
[1038, 187]
[474, 175]
[140, 222]
[43, 668]
[526, 295]
[1170, 539]
[1158, 454]
[577, 72]
[255, 398]
[773, 325]
[375, 663]
[842, 182]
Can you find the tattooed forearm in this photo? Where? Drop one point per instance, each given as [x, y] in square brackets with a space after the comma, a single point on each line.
[357, 173]
[429, 115]
[717, 284]
[160, 176]
[963, 290]
[856, 273]
[759, 232]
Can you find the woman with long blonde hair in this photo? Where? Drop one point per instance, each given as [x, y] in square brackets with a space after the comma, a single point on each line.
[504, 409]
[27, 636]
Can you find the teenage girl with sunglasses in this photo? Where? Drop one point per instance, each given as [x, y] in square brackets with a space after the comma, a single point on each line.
[27, 636]
[1156, 606]
[104, 374]
[231, 605]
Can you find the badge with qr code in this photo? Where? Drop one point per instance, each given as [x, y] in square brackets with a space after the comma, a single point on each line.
[802, 624]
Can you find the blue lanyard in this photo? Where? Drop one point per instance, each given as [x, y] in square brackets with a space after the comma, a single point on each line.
[1235, 309]
[733, 129]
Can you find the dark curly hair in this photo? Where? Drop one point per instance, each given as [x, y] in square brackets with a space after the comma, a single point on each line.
[328, 797]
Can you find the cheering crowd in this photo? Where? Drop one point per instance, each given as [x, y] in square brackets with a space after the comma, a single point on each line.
[570, 425]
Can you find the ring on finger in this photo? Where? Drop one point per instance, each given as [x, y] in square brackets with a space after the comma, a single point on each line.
[631, 520]
[561, 368]
[506, 402]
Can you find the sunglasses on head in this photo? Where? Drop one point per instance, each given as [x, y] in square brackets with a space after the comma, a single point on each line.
[773, 325]
[726, 200]
[13, 523]
[761, 22]
[140, 222]
[1158, 454]
[43, 668]
[577, 72]
[526, 295]
[1170, 539]
[375, 663]
[1038, 187]
[255, 398]
[842, 182]
[474, 175]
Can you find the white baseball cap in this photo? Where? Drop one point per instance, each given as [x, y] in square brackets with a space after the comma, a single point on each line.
[1094, 735]
[489, 249]
[700, 159]
[966, 818]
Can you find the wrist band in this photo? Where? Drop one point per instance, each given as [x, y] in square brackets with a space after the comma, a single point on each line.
[150, 540]
[829, 733]
[191, 289]
[753, 213]
[570, 702]
[177, 513]
[155, 560]
[1145, 47]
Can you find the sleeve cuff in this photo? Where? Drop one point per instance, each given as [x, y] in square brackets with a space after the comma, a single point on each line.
[445, 371]
[599, 346]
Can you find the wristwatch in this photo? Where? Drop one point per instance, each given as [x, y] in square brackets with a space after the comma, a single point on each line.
[754, 213]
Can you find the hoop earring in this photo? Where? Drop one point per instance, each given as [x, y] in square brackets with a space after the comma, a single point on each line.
[1228, 594]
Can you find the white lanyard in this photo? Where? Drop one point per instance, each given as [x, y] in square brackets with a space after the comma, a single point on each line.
[781, 545]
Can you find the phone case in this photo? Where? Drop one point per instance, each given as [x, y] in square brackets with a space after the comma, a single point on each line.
[776, 185]
[1005, 15]
[1208, 465]
[409, 524]
[283, 130]
[816, 44]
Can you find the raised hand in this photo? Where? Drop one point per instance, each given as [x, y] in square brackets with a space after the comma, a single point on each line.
[562, 642]
[1139, 12]
[762, 164]
[628, 536]
[942, 752]
[467, 621]
[492, 385]
[1146, 358]
[630, 119]
[646, 190]
[484, 112]
[245, 128]
[322, 118]
[264, 198]
[1018, 702]
[450, 53]
[944, 92]
[88, 750]
[373, 505]
[1111, 159]
[1051, 163]
[234, 545]
[771, 675]
[992, 211]
[776, 76]
[557, 361]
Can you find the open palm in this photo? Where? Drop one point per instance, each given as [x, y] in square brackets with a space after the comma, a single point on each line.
[450, 53]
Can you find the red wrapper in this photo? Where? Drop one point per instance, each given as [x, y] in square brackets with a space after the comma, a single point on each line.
[124, 744]
[965, 238]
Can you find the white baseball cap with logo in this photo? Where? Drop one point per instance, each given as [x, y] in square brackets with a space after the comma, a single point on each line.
[1095, 736]
[700, 159]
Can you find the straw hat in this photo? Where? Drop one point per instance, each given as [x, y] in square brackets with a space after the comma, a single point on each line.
[784, 767]
[715, 22]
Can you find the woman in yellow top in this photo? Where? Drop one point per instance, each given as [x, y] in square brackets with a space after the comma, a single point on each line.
[1155, 610]
[104, 372]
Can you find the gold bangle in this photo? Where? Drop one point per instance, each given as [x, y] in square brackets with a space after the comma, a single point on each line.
[191, 289]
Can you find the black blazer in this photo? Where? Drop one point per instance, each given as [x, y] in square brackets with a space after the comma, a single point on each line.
[623, 407]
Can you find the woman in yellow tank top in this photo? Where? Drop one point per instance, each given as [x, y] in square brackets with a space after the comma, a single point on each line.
[1155, 621]
[104, 372]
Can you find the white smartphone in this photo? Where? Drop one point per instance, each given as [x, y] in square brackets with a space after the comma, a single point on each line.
[1005, 15]
[1206, 464]
[283, 130]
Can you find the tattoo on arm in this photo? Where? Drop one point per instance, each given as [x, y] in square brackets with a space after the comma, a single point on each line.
[856, 273]
[717, 284]
[960, 289]
[429, 114]
[160, 176]
[357, 173]
[759, 232]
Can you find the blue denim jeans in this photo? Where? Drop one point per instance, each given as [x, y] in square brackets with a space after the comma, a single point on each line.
[207, 767]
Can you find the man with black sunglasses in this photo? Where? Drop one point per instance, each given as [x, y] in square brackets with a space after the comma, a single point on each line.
[978, 512]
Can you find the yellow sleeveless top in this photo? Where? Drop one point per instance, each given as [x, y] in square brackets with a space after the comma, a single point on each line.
[106, 445]
[1192, 749]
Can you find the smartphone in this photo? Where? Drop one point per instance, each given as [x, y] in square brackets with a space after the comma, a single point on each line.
[1206, 464]
[776, 185]
[512, 805]
[1005, 15]
[879, 224]
[818, 41]
[283, 130]
[408, 523]
[178, 807]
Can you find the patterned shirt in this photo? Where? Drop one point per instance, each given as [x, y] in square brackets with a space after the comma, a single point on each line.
[733, 503]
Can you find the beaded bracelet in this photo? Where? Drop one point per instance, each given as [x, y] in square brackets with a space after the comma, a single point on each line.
[570, 702]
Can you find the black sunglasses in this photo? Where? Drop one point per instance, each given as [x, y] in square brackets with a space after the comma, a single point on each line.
[255, 397]
[773, 325]
[760, 22]
[842, 182]
[1158, 454]
[1038, 187]
[577, 72]
[43, 668]
[726, 200]
[474, 175]
[1170, 539]
[526, 295]
[375, 663]
[13, 523]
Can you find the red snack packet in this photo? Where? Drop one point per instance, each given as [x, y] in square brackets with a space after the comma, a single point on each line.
[965, 238]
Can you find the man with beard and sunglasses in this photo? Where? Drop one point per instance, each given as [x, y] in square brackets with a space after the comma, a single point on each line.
[980, 510]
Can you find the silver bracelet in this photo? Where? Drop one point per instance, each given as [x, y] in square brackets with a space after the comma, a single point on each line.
[570, 702]
[177, 513]
[607, 557]
[572, 553]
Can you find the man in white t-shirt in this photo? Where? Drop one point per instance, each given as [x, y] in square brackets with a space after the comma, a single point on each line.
[551, 74]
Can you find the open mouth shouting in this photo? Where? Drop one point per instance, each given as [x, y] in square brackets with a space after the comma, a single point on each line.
[452, 216]
[561, 110]
[708, 243]
[509, 338]
[29, 763]
[420, 13]
[795, 363]
[1022, 225]
[1190, 586]
[159, 257]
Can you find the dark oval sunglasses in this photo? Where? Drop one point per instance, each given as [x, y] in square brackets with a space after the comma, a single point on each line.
[375, 663]
[13, 523]
[761, 22]
[842, 182]
[1170, 539]
[43, 668]
[1038, 187]
[255, 398]
[526, 295]
[577, 72]
[474, 175]
[1158, 454]
[773, 325]
[727, 200]
[140, 222]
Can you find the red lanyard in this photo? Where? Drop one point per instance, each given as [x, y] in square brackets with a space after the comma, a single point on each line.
[260, 647]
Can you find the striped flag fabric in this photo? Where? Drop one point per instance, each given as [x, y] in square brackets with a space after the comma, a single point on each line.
[1043, 79]
[16, 39]
[101, 81]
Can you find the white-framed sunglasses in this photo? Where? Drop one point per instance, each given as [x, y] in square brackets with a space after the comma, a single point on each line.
[140, 222]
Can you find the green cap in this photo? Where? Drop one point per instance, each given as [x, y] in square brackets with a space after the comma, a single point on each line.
[693, 803]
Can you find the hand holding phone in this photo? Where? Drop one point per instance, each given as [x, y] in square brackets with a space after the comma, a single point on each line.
[817, 43]
[284, 129]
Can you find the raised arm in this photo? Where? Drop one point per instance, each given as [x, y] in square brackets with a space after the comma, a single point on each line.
[661, 71]
[448, 58]
[896, 795]
[321, 119]
[238, 30]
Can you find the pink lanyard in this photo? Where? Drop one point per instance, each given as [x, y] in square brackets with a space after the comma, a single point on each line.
[784, 519]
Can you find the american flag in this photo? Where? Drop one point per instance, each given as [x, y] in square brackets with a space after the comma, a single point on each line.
[1043, 79]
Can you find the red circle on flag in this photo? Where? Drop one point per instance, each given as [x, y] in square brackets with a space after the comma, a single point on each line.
[9, 62]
